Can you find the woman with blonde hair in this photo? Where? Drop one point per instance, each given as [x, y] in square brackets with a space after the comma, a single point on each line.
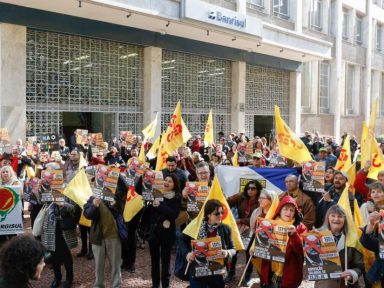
[8, 176]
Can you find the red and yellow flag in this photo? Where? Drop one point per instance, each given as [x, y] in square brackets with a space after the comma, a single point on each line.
[290, 144]
[367, 143]
[142, 153]
[193, 228]
[133, 204]
[162, 155]
[177, 132]
[208, 136]
[344, 161]
[235, 159]
[150, 130]
[377, 161]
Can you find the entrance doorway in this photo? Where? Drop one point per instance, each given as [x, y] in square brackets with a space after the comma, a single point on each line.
[264, 126]
[97, 122]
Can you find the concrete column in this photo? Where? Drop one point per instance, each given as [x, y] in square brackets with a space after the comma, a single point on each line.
[376, 83]
[295, 102]
[339, 69]
[241, 6]
[13, 51]
[152, 86]
[238, 97]
[299, 16]
[368, 63]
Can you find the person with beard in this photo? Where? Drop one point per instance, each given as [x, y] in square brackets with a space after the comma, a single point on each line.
[303, 201]
[211, 226]
[275, 274]
[172, 169]
[332, 196]
[336, 221]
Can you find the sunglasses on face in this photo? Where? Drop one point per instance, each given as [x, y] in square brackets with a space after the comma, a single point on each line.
[218, 213]
[252, 188]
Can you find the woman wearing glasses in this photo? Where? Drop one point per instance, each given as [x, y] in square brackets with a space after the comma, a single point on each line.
[245, 202]
[211, 226]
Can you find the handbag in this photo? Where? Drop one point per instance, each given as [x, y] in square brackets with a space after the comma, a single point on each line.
[181, 264]
[37, 229]
[121, 228]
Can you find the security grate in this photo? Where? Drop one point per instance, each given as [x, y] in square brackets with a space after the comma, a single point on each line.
[201, 83]
[67, 73]
[265, 88]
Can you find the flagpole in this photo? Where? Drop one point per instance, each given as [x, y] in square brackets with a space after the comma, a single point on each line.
[345, 259]
[245, 270]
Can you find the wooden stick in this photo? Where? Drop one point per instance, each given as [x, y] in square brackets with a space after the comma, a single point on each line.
[186, 269]
[245, 270]
[346, 259]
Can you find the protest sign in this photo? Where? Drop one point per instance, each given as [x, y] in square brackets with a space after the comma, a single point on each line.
[244, 234]
[4, 136]
[52, 186]
[105, 184]
[313, 176]
[245, 181]
[11, 221]
[249, 149]
[197, 193]
[322, 260]
[207, 261]
[127, 136]
[50, 141]
[133, 167]
[276, 160]
[31, 191]
[270, 240]
[148, 181]
[81, 136]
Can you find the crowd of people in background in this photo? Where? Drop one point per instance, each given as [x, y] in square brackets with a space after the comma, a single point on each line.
[160, 223]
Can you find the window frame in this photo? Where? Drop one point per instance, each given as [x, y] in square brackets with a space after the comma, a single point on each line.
[277, 12]
[324, 110]
[358, 41]
[319, 15]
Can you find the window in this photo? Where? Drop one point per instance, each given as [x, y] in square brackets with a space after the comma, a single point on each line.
[345, 25]
[324, 76]
[349, 90]
[359, 30]
[255, 4]
[379, 29]
[317, 15]
[280, 8]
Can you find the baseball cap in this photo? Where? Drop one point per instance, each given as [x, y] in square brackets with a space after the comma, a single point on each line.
[323, 149]
[342, 173]
[257, 155]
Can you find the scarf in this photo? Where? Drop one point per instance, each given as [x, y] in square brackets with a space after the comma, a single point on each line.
[277, 267]
[169, 195]
[206, 229]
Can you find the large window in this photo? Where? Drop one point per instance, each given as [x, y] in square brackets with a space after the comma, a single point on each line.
[281, 8]
[379, 38]
[255, 4]
[350, 90]
[68, 73]
[324, 77]
[317, 15]
[345, 24]
[201, 83]
[359, 30]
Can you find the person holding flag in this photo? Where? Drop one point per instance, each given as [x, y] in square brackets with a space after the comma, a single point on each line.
[275, 274]
[211, 226]
[336, 221]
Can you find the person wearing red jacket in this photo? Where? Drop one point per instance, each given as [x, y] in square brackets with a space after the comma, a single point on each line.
[274, 274]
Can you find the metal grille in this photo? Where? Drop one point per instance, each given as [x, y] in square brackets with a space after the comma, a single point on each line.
[201, 84]
[131, 122]
[44, 122]
[72, 73]
[265, 88]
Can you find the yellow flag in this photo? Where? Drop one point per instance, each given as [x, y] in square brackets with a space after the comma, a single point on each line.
[162, 155]
[83, 162]
[344, 161]
[152, 151]
[133, 204]
[177, 132]
[272, 210]
[79, 190]
[290, 145]
[208, 137]
[352, 238]
[142, 153]
[351, 172]
[193, 228]
[150, 130]
[235, 159]
[377, 161]
[84, 221]
[30, 171]
[368, 143]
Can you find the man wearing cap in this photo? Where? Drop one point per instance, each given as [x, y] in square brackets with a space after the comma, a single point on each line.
[324, 157]
[331, 197]
[303, 201]
[257, 160]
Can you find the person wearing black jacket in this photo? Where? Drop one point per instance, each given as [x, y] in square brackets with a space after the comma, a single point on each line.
[211, 226]
[163, 214]
[172, 169]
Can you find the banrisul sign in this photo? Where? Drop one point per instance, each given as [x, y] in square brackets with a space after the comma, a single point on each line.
[208, 14]
[226, 19]
[11, 221]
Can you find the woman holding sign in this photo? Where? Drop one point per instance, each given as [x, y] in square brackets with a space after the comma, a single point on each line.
[211, 226]
[336, 221]
[276, 274]
[164, 212]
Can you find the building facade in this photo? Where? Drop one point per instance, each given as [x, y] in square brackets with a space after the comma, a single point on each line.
[111, 65]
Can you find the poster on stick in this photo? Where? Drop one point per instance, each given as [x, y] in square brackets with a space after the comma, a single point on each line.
[313, 176]
[197, 193]
[52, 186]
[106, 178]
[322, 260]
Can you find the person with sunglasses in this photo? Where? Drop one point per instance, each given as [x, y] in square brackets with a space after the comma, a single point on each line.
[245, 202]
[211, 226]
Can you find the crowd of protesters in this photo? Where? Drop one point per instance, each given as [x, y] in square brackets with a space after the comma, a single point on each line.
[160, 223]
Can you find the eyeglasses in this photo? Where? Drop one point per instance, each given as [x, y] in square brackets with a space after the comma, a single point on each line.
[218, 213]
[252, 188]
